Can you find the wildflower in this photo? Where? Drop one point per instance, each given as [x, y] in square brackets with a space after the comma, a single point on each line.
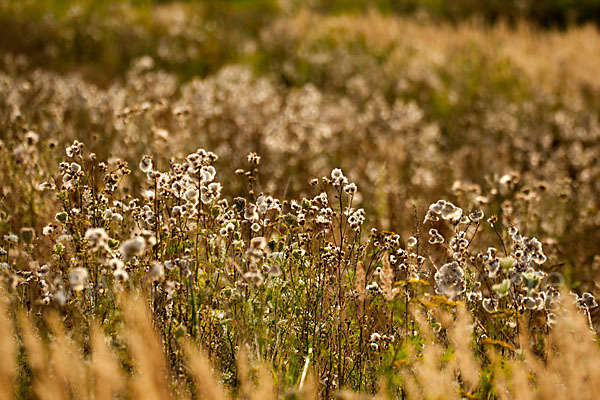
[97, 238]
[444, 209]
[474, 296]
[509, 181]
[253, 158]
[116, 218]
[46, 186]
[60, 298]
[74, 149]
[350, 189]
[146, 164]
[476, 216]
[338, 178]
[538, 258]
[171, 287]
[74, 168]
[250, 213]
[191, 195]
[411, 242]
[451, 212]
[322, 198]
[262, 205]
[208, 173]
[230, 227]
[78, 278]
[31, 138]
[336, 174]
[115, 263]
[258, 243]
[210, 192]
[490, 305]
[551, 299]
[450, 280]
[373, 286]
[133, 247]
[149, 237]
[170, 265]
[214, 187]
[274, 270]
[533, 303]
[586, 301]
[156, 272]
[375, 337]
[121, 275]
[435, 237]
[257, 249]
[11, 237]
[254, 277]
[356, 219]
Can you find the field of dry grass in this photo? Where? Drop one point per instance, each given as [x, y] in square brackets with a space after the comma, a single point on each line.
[200, 203]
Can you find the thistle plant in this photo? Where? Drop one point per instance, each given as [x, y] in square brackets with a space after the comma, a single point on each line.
[302, 205]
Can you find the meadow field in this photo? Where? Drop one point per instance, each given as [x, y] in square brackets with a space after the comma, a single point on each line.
[299, 199]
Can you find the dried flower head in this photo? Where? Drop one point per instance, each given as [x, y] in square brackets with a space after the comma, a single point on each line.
[450, 280]
[97, 239]
[133, 247]
[78, 278]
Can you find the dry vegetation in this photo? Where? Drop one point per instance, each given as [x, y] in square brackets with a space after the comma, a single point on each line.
[266, 222]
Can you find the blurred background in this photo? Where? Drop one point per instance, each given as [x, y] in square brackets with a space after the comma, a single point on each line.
[106, 35]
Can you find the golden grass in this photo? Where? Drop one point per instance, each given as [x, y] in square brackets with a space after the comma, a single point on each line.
[60, 368]
[552, 61]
